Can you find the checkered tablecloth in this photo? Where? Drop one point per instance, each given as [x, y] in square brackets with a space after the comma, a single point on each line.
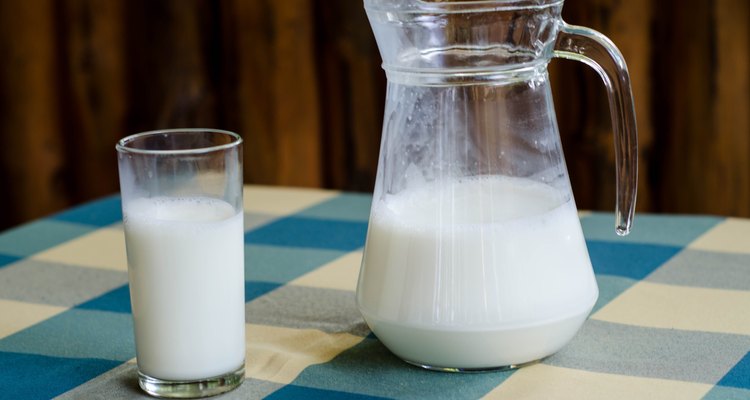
[672, 320]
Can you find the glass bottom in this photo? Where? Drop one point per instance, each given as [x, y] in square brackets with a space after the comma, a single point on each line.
[191, 389]
[474, 370]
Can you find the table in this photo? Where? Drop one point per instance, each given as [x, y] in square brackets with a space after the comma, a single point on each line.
[672, 320]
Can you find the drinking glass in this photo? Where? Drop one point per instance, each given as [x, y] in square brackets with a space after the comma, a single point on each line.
[182, 213]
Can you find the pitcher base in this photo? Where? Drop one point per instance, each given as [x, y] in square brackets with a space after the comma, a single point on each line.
[474, 370]
[466, 350]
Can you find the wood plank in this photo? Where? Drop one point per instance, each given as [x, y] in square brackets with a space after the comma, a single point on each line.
[248, 31]
[630, 30]
[583, 110]
[352, 95]
[729, 187]
[170, 67]
[276, 91]
[300, 80]
[93, 82]
[295, 96]
[702, 84]
[32, 160]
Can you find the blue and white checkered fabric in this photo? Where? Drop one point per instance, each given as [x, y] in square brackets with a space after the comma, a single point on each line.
[672, 321]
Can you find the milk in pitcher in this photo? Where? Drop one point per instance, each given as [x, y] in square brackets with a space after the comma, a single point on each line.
[476, 272]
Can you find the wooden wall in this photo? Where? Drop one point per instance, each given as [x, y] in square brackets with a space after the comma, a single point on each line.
[690, 73]
[300, 80]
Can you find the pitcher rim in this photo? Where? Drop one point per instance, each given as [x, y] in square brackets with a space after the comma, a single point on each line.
[457, 6]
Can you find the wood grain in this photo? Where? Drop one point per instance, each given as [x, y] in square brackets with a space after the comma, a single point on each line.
[300, 80]
[702, 109]
[92, 83]
[277, 110]
[583, 110]
[32, 159]
[730, 179]
[352, 95]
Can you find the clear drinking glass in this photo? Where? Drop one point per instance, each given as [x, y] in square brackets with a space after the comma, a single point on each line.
[182, 213]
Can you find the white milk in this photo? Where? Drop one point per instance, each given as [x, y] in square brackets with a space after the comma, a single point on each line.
[476, 273]
[186, 270]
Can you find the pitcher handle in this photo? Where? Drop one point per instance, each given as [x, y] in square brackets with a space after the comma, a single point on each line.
[597, 51]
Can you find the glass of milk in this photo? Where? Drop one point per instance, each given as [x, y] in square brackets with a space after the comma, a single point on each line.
[182, 213]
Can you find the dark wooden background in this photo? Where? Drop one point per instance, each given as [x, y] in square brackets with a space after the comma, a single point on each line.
[300, 80]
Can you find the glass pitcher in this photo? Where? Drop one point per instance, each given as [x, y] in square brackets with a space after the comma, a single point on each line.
[475, 258]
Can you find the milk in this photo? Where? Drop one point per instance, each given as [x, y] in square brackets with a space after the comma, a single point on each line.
[476, 273]
[186, 270]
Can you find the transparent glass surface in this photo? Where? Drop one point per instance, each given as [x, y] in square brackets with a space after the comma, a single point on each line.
[475, 258]
[182, 215]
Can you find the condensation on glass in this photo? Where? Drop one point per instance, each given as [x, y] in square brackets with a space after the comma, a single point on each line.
[475, 257]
